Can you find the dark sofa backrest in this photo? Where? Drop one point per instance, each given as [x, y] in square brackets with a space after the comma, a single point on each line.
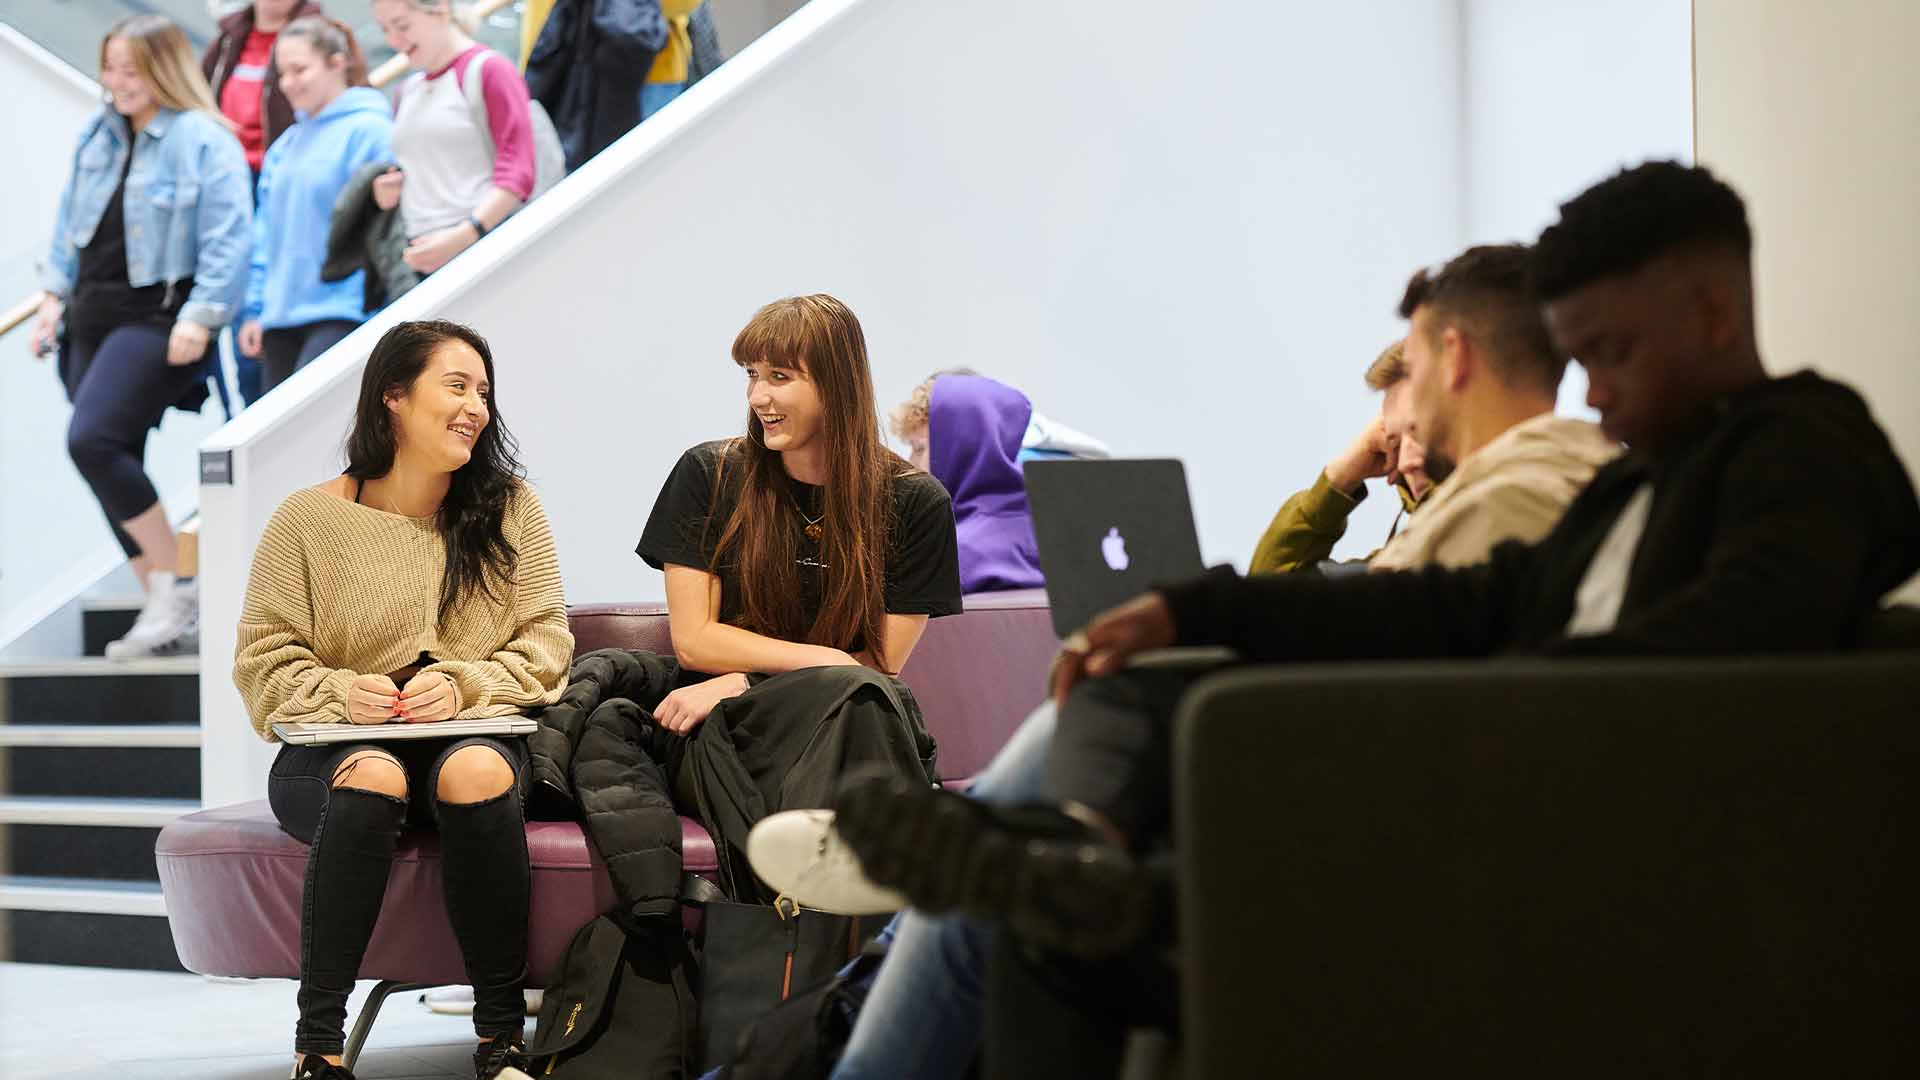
[975, 675]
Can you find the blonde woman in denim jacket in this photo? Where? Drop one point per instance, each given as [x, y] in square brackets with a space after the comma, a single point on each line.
[148, 262]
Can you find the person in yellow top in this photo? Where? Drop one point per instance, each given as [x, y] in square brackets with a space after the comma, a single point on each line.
[421, 585]
[668, 76]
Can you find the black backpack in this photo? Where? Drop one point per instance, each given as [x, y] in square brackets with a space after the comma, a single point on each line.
[802, 1038]
[622, 1007]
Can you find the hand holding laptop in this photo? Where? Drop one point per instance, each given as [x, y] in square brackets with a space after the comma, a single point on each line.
[427, 698]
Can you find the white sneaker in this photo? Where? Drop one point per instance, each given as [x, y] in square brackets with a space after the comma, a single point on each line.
[168, 624]
[450, 1000]
[798, 854]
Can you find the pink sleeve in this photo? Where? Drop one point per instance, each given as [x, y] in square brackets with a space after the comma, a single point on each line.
[507, 114]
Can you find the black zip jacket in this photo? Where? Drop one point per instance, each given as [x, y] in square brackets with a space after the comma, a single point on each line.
[1777, 525]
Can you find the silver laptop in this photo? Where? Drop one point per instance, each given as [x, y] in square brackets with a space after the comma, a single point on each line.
[1108, 530]
[309, 734]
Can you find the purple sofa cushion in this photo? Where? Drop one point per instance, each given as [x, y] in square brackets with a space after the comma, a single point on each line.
[976, 675]
[233, 880]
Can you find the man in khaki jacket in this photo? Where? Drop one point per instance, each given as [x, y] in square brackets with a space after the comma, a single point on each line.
[1473, 385]
[1481, 380]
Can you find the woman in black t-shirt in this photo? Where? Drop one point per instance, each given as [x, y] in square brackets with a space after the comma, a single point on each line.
[803, 561]
[807, 543]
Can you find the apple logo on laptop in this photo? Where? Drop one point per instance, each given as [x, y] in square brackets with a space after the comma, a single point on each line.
[1114, 549]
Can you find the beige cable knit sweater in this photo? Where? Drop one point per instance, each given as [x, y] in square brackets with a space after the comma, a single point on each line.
[339, 589]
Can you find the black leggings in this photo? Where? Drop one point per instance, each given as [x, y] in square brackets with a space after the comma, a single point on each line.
[288, 349]
[353, 833]
[120, 386]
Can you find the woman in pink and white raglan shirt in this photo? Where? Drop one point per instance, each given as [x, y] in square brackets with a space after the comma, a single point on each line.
[451, 189]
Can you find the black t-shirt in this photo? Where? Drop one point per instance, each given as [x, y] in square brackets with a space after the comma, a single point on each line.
[923, 560]
[102, 297]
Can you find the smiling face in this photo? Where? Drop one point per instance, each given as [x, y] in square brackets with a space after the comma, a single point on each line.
[310, 81]
[132, 97]
[440, 417]
[426, 38]
[786, 404]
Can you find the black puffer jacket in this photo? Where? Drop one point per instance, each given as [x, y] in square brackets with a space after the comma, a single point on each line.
[785, 744]
[598, 757]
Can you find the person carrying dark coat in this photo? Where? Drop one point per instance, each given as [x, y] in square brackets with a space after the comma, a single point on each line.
[364, 237]
[587, 68]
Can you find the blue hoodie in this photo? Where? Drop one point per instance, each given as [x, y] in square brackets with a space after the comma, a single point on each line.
[303, 173]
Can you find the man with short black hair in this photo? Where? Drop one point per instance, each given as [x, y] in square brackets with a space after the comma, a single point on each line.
[1751, 514]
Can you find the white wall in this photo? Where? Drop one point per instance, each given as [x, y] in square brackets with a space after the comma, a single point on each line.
[1163, 229]
[1561, 94]
[1813, 113]
[53, 538]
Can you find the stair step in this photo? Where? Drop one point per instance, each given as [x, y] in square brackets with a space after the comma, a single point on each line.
[93, 852]
[124, 942]
[95, 691]
[113, 602]
[81, 895]
[60, 810]
[105, 619]
[144, 735]
[80, 667]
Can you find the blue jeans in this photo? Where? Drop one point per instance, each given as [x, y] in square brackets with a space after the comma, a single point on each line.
[923, 1017]
[654, 96]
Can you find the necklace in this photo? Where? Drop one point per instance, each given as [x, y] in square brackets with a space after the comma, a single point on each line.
[813, 525]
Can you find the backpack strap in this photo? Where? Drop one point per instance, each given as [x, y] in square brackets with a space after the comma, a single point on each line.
[473, 85]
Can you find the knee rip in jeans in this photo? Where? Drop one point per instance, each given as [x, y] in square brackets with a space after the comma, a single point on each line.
[474, 775]
[377, 773]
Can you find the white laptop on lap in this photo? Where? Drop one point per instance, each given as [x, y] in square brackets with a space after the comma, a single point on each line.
[310, 734]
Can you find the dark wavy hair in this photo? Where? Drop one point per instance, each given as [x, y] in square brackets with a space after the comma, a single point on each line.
[472, 516]
[1623, 222]
[1489, 286]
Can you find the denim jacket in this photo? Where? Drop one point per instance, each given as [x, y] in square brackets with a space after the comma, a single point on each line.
[189, 209]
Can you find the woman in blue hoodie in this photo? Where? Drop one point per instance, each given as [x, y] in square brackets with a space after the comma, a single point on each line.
[342, 124]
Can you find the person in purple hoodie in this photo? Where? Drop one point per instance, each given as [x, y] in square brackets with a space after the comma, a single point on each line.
[974, 428]
[972, 433]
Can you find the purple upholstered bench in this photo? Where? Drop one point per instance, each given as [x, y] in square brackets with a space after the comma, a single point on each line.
[233, 880]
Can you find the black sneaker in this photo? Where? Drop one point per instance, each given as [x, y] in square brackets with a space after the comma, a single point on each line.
[503, 1057]
[1052, 880]
[315, 1067]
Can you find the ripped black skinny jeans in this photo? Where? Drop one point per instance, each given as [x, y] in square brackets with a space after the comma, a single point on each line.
[353, 834]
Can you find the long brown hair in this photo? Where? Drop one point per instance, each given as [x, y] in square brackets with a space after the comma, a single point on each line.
[760, 541]
[164, 58]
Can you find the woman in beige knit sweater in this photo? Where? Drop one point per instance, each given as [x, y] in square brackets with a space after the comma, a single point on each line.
[421, 585]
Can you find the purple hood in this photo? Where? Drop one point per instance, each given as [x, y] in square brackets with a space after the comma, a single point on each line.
[974, 428]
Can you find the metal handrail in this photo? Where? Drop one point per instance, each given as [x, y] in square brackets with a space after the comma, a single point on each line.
[379, 77]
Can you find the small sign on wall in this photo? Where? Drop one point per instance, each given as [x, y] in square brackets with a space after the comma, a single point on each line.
[216, 467]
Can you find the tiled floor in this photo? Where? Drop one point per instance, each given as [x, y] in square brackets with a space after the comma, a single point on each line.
[75, 1023]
